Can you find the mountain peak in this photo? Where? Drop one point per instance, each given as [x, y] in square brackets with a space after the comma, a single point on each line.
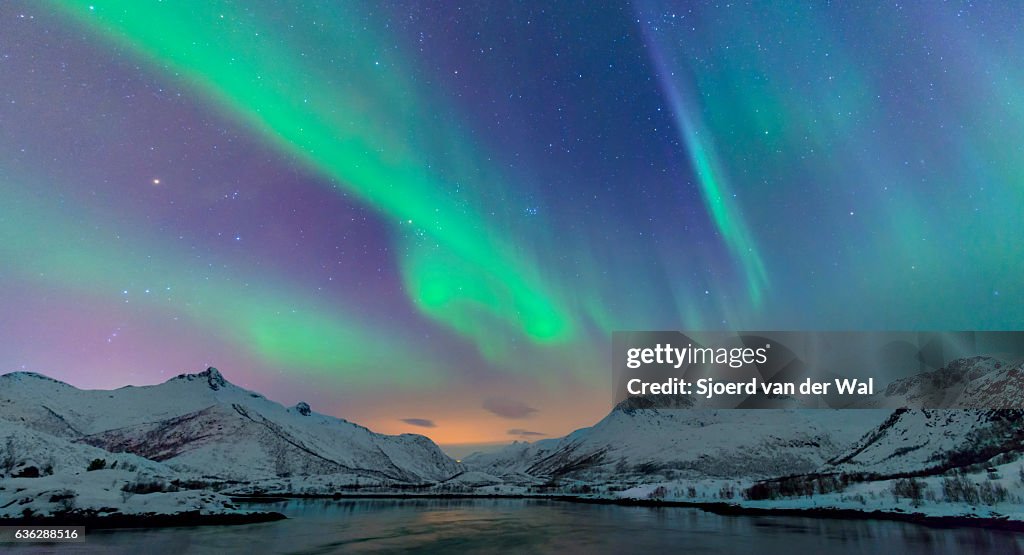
[31, 375]
[214, 379]
[633, 403]
[303, 408]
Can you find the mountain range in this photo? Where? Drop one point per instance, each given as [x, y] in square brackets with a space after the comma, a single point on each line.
[645, 439]
[202, 426]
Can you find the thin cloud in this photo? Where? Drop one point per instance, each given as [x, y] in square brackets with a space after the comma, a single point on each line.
[507, 408]
[524, 433]
[421, 422]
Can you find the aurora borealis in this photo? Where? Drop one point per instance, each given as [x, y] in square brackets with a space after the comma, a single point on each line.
[402, 212]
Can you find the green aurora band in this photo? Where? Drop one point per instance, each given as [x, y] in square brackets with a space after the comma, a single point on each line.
[353, 125]
[265, 318]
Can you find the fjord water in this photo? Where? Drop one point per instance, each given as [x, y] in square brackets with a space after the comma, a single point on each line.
[539, 526]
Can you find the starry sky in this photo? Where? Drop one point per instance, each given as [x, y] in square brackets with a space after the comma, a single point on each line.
[427, 217]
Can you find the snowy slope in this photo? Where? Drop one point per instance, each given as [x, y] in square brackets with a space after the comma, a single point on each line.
[101, 492]
[44, 475]
[514, 457]
[983, 423]
[23, 449]
[203, 424]
[928, 441]
[980, 382]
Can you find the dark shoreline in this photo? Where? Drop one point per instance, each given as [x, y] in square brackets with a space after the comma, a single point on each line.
[719, 508]
[190, 518]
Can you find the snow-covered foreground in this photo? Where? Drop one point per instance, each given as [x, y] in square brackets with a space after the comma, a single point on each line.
[102, 491]
[993, 494]
[52, 479]
[190, 445]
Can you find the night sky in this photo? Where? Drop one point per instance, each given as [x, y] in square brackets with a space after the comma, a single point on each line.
[429, 218]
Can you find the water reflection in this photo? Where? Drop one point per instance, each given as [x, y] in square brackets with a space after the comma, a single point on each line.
[535, 526]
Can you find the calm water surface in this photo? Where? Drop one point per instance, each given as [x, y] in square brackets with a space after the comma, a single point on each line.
[534, 526]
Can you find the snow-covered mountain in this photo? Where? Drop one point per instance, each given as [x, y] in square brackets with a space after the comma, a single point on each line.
[982, 422]
[652, 436]
[923, 441]
[202, 424]
[696, 443]
[979, 382]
